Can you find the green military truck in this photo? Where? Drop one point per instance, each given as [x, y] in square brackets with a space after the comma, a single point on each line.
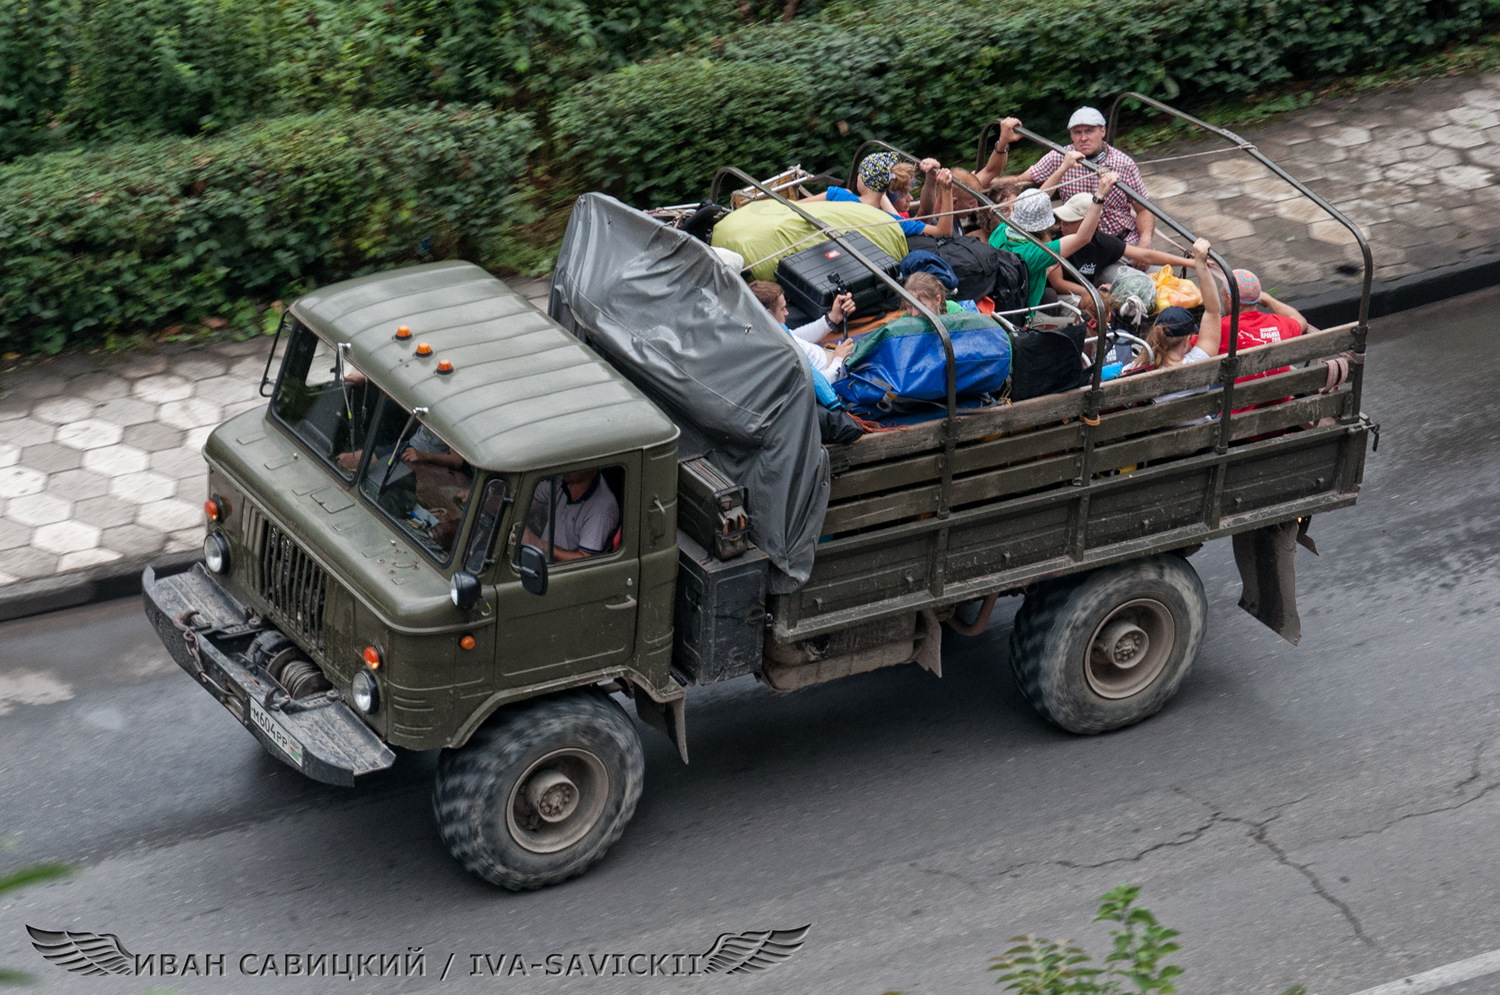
[412, 545]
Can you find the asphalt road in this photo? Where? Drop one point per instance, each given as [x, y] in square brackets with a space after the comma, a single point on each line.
[1321, 815]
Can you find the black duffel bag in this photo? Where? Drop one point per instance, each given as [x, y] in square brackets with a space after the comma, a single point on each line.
[1046, 360]
[982, 269]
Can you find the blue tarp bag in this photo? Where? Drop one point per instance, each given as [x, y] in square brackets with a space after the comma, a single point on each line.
[900, 366]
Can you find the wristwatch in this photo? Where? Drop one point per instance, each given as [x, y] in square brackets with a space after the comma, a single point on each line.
[1098, 199]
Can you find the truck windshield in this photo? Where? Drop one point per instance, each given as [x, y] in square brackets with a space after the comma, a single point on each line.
[417, 480]
[327, 403]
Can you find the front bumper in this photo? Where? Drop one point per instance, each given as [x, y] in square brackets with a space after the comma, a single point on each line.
[321, 736]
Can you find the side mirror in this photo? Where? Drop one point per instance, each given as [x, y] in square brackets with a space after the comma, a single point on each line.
[465, 590]
[532, 566]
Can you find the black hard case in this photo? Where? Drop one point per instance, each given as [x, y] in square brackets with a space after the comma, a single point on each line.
[720, 619]
[813, 276]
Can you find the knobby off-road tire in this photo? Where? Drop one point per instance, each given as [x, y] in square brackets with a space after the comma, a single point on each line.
[541, 792]
[1109, 648]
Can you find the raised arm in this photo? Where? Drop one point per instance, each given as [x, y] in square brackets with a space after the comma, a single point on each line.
[1085, 233]
[1001, 153]
[1211, 327]
[927, 202]
[1152, 257]
[1282, 308]
[1070, 160]
[943, 180]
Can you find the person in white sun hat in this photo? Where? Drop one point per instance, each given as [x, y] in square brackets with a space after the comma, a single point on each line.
[1123, 218]
[1032, 212]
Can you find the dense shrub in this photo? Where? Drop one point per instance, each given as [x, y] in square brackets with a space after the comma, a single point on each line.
[36, 50]
[139, 234]
[928, 79]
[652, 130]
[117, 68]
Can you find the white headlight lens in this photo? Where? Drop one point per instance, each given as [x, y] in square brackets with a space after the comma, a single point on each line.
[216, 553]
[365, 693]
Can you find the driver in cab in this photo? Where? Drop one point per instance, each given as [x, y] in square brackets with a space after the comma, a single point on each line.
[584, 516]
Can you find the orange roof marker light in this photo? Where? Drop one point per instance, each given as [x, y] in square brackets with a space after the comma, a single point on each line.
[444, 366]
[423, 349]
[403, 333]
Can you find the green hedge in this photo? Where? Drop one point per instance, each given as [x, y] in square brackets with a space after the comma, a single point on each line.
[927, 80]
[74, 70]
[139, 235]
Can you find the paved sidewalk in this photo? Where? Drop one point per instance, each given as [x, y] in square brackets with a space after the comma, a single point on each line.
[100, 465]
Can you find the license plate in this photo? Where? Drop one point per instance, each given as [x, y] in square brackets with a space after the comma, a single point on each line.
[275, 733]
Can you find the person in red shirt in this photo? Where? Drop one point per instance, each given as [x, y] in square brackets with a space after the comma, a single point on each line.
[1276, 324]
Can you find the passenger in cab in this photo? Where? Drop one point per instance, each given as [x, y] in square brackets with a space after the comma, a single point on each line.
[1032, 212]
[874, 182]
[827, 364]
[1171, 337]
[1062, 174]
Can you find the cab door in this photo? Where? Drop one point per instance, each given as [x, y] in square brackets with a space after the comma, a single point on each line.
[586, 620]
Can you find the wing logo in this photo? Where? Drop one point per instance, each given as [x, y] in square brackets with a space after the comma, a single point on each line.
[757, 950]
[83, 953]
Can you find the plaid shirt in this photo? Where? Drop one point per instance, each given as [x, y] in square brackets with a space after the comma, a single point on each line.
[1118, 218]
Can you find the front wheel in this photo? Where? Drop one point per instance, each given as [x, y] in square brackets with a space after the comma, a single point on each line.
[539, 794]
[1109, 648]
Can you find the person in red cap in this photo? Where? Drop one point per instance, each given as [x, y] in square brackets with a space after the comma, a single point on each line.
[1277, 323]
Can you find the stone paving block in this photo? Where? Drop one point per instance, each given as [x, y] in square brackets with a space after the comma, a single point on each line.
[19, 481]
[112, 461]
[9, 454]
[62, 410]
[1300, 209]
[89, 433]
[104, 511]
[197, 366]
[13, 534]
[153, 437]
[1480, 97]
[250, 368]
[99, 386]
[38, 509]
[1399, 234]
[33, 389]
[1418, 215]
[85, 558]
[179, 463]
[240, 407]
[225, 389]
[1456, 136]
[66, 537]
[143, 487]
[1332, 232]
[1473, 117]
[169, 515]
[189, 414]
[140, 367]
[125, 411]
[196, 437]
[184, 540]
[162, 387]
[76, 485]
[133, 540]
[1464, 177]
[29, 563]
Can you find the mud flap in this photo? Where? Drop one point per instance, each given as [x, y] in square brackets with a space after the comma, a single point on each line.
[668, 718]
[1265, 560]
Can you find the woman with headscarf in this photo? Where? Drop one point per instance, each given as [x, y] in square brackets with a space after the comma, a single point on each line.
[874, 180]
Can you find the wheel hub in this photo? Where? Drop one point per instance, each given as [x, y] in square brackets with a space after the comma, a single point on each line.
[557, 800]
[1130, 648]
[553, 795]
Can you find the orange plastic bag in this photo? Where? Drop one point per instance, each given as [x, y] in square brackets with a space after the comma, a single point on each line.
[1175, 291]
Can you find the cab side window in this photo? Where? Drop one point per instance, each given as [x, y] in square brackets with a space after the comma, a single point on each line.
[576, 515]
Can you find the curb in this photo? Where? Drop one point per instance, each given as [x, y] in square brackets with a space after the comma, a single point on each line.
[106, 582]
[123, 578]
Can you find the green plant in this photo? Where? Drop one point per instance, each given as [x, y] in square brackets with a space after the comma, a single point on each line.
[36, 51]
[14, 881]
[1060, 967]
[137, 235]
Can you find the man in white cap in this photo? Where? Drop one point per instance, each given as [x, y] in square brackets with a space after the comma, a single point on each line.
[1122, 218]
[1032, 212]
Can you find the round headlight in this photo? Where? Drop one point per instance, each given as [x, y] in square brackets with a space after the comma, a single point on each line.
[365, 692]
[216, 553]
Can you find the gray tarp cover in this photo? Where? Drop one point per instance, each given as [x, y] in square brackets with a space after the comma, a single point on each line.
[685, 329]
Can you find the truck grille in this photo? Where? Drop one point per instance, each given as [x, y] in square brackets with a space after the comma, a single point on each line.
[293, 585]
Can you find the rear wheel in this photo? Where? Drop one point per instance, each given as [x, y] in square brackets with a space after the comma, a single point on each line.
[1109, 648]
[539, 794]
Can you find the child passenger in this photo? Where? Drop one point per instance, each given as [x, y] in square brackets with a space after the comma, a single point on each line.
[1171, 338]
[880, 173]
